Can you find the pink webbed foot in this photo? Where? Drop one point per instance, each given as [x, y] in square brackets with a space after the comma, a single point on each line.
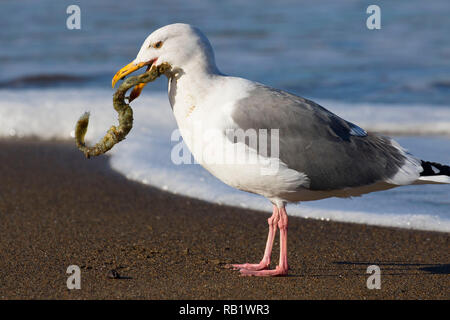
[278, 271]
[250, 266]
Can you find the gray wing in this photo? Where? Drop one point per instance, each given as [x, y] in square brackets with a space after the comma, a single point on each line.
[332, 152]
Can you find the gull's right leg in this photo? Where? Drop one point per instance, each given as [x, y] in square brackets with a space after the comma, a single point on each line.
[265, 262]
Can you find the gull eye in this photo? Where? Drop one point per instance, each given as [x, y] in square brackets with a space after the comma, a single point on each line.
[158, 45]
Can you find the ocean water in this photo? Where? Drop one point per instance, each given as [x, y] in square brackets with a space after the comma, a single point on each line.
[395, 80]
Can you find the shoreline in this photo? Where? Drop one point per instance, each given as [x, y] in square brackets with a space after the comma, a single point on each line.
[60, 209]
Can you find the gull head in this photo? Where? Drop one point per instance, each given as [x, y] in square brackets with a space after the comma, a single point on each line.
[182, 46]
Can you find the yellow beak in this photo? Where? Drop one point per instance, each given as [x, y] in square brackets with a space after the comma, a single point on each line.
[129, 68]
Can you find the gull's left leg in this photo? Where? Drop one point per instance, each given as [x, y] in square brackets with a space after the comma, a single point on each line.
[265, 262]
[282, 268]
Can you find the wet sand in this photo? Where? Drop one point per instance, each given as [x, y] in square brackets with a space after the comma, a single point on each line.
[59, 209]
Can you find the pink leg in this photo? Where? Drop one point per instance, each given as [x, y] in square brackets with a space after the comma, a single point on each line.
[265, 262]
[282, 268]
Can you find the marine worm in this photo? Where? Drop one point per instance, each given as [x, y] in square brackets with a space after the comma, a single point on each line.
[116, 134]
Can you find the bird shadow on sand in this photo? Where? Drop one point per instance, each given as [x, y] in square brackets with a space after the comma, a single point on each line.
[397, 268]
[359, 268]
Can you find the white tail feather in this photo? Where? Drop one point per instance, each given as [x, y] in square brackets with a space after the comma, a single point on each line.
[433, 179]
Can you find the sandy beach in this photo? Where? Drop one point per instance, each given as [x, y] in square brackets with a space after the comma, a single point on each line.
[59, 209]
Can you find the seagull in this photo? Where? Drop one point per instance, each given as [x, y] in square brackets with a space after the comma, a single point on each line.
[270, 142]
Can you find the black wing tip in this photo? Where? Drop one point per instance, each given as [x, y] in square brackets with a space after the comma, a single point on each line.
[434, 169]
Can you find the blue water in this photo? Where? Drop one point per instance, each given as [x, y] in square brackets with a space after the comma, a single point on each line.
[318, 49]
[313, 48]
